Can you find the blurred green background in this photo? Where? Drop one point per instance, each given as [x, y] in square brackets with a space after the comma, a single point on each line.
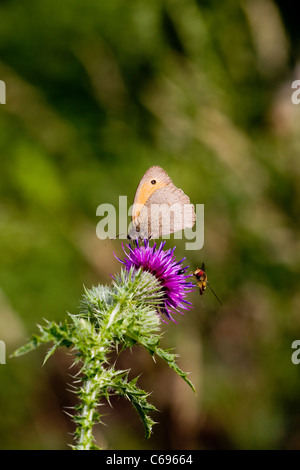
[97, 92]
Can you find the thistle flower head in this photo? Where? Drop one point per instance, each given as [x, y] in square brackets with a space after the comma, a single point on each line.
[170, 273]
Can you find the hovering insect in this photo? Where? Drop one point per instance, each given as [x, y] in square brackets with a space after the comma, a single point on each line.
[201, 279]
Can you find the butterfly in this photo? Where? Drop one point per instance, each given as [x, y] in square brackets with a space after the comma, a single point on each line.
[159, 207]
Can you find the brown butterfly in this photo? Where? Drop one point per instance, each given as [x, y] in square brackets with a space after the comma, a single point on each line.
[159, 207]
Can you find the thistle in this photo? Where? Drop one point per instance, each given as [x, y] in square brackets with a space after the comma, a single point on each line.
[170, 274]
[151, 287]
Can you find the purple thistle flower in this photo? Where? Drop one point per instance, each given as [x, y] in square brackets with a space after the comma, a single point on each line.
[170, 273]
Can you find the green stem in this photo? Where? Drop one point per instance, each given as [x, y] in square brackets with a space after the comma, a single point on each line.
[92, 387]
[88, 416]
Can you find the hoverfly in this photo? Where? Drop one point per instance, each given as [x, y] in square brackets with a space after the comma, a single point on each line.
[201, 279]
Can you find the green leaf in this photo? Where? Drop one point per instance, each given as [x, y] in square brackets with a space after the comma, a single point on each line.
[169, 358]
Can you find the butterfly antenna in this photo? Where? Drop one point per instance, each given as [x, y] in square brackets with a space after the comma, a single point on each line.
[215, 295]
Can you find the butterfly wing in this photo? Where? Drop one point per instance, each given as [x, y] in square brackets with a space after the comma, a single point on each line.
[147, 188]
[169, 210]
[159, 208]
[161, 211]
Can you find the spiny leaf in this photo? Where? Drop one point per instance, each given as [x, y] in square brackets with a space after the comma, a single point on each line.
[169, 358]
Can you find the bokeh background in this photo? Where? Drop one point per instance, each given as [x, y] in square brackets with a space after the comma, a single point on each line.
[97, 92]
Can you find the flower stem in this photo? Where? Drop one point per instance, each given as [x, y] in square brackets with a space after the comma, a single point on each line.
[87, 411]
[86, 434]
